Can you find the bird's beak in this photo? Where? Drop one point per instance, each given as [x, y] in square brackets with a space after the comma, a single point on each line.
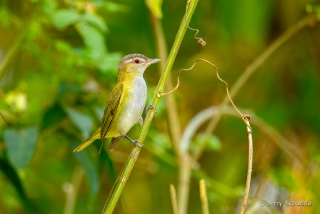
[152, 61]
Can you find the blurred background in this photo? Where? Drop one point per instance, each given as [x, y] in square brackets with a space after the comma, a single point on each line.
[59, 61]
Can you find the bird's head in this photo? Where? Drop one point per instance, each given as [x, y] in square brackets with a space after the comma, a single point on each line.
[135, 64]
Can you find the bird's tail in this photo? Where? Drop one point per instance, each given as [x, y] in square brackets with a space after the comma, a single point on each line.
[114, 142]
[95, 136]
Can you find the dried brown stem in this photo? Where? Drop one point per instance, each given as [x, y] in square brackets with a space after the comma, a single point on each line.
[246, 118]
[219, 78]
[198, 120]
[306, 21]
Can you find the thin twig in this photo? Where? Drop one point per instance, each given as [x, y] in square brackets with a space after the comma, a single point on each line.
[203, 197]
[245, 118]
[200, 118]
[174, 199]
[71, 190]
[184, 182]
[219, 78]
[200, 42]
[246, 192]
[306, 21]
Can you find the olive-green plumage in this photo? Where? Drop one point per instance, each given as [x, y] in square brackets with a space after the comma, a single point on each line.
[126, 102]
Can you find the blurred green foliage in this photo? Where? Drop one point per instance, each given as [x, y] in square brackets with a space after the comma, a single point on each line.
[58, 64]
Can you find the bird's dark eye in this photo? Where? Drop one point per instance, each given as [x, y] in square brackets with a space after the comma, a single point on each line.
[137, 61]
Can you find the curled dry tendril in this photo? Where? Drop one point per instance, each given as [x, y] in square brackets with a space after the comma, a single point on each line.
[200, 42]
[244, 117]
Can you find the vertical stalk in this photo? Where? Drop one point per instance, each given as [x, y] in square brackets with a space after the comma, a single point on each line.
[203, 197]
[171, 107]
[174, 199]
[184, 182]
[122, 179]
[246, 193]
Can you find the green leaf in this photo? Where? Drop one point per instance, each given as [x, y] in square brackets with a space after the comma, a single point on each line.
[5, 17]
[92, 37]
[63, 18]
[13, 177]
[109, 62]
[155, 7]
[106, 162]
[21, 146]
[82, 121]
[309, 8]
[48, 6]
[95, 20]
[53, 116]
[313, 9]
[248, 20]
[99, 111]
[113, 7]
[213, 143]
[284, 176]
[90, 169]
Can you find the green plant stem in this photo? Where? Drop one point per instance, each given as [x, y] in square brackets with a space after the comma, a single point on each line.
[203, 197]
[184, 182]
[122, 179]
[174, 199]
[171, 107]
[72, 190]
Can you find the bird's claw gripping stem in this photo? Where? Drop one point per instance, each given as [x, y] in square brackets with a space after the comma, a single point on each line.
[135, 142]
[147, 109]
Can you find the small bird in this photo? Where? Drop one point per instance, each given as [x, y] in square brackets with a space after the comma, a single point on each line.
[125, 104]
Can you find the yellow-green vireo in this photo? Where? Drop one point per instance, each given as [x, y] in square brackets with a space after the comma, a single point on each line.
[125, 104]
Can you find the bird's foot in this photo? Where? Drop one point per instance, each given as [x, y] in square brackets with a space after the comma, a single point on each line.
[150, 107]
[135, 142]
[146, 111]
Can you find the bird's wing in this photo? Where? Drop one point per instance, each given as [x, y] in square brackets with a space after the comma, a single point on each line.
[95, 136]
[111, 110]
